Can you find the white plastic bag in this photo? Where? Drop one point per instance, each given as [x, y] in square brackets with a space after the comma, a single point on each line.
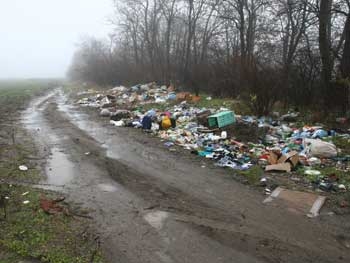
[319, 148]
[118, 123]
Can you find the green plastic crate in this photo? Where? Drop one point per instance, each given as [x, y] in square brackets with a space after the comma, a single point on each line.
[221, 119]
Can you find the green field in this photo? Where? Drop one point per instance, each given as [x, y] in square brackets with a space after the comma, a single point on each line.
[15, 94]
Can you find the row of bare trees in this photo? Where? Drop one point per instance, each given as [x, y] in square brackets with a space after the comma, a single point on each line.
[293, 51]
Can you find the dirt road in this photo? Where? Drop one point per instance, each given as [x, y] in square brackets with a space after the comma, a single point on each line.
[153, 205]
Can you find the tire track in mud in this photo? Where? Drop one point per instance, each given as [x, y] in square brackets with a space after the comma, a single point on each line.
[235, 236]
[159, 194]
[156, 194]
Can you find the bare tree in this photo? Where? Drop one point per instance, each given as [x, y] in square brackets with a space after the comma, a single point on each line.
[258, 50]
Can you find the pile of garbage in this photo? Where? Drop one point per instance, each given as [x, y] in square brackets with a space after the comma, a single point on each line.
[210, 132]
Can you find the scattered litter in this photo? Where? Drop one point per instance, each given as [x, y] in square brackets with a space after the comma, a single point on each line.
[26, 193]
[284, 167]
[318, 148]
[263, 181]
[26, 202]
[221, 119]
[118, 123]
[298, 202]
[23, 168]
[169, 144]
[275, 143]
[313, 161]
[50, 206]
[312, 172]
[224, 135]
[316, 207]
[342, 187]
[267, 191]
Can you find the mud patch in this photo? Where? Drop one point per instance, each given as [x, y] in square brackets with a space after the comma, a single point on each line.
[164, 196]
[175, 186]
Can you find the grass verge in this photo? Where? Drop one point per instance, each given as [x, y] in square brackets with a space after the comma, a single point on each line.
[27, 233]
[31, 233]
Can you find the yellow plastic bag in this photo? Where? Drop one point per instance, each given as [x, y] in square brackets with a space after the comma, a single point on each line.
[166, 123]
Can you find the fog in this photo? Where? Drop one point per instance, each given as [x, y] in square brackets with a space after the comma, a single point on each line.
[38, 37]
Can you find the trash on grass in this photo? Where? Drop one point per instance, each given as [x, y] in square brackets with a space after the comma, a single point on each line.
[23, 168]
[298, 202]
[230, 140]
[50, 206]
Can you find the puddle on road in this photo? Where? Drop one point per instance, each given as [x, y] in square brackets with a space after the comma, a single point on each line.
[107, 188]
[80, 119]
[156, 219]
[60, 170]
[93, 128]
[31, 117]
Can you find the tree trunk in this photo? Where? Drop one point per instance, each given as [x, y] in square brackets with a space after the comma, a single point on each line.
[345, 61]
[325, 48]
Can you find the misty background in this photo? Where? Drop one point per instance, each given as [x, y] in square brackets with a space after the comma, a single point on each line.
[39, 37]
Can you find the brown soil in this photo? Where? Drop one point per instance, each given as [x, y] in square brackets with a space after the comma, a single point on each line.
[162, 206]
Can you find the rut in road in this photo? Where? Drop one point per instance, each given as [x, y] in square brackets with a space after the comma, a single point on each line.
[151, 207]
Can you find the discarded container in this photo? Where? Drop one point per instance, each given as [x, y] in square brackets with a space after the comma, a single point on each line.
[221, 119]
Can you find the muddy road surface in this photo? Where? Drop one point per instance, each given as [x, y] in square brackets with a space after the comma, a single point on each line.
[150, 204]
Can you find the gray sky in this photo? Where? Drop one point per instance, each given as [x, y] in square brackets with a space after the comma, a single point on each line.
[38, 37]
